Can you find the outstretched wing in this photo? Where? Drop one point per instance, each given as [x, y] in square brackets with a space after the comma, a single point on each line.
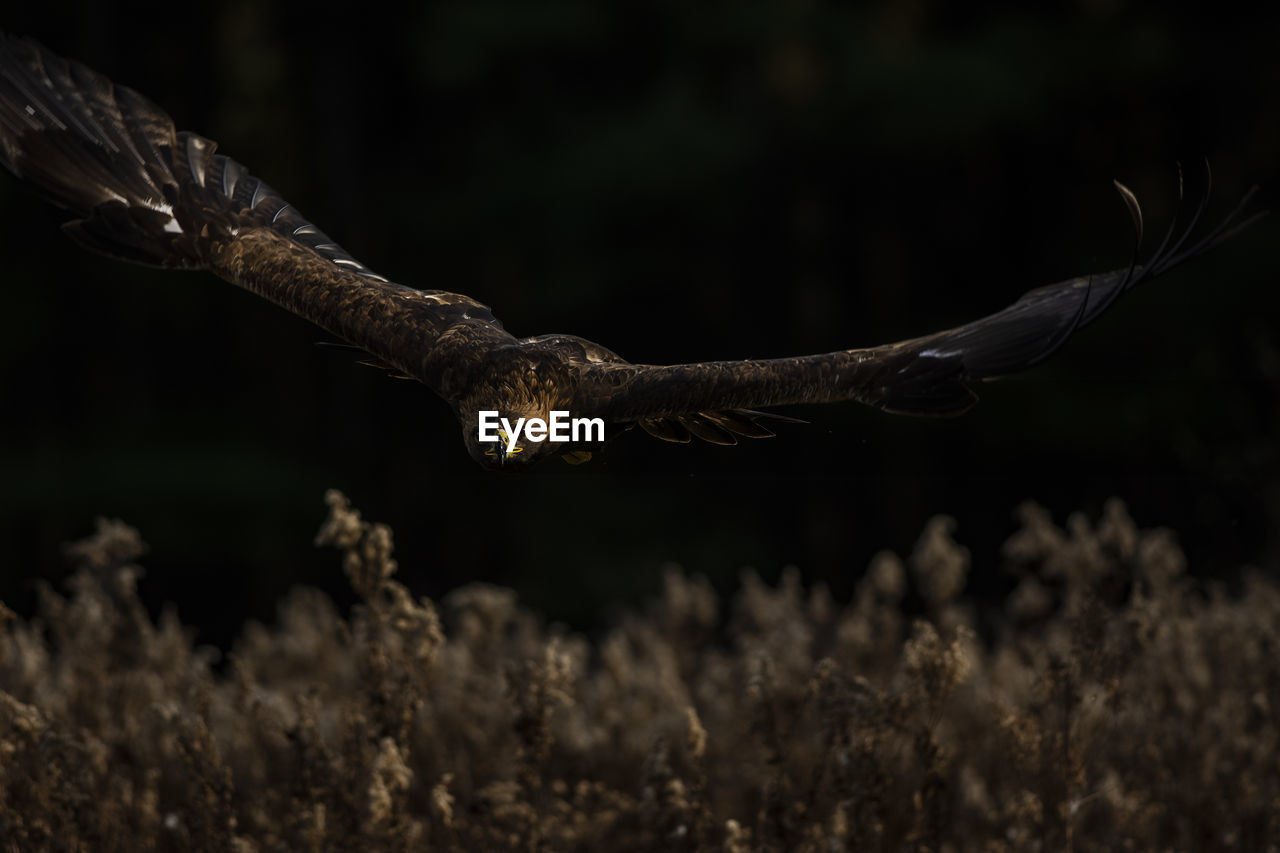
[922, 376]
[143, 192]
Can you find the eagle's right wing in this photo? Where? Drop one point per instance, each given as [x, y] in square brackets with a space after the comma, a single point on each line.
[929, 375]
[143, 192]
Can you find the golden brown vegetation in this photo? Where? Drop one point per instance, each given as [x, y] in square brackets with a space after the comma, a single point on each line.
[1116, 706]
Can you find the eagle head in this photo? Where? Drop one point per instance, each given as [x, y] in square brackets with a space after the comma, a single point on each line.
[497, 438]
[521, 411]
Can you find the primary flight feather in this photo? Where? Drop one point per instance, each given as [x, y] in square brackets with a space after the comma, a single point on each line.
[142, 191]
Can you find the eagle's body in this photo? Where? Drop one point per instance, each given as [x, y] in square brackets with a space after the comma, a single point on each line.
[142, 191]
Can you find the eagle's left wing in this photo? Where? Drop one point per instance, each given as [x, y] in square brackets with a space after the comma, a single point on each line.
[142, 191]
[921, 376]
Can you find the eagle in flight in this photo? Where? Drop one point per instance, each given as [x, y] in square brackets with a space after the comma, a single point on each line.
[142, 191]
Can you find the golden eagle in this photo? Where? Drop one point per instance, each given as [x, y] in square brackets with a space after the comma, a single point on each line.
[144, 192]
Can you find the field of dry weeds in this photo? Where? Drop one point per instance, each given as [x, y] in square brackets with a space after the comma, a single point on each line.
[1112, 704]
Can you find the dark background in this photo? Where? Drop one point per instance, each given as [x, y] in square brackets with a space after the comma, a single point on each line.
[679, 181]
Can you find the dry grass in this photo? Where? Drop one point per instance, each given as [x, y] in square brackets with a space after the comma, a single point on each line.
[1117, 707]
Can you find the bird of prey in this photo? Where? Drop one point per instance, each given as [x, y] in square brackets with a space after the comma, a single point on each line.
[142, 191]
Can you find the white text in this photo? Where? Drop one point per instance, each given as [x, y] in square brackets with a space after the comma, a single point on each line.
[560, 427]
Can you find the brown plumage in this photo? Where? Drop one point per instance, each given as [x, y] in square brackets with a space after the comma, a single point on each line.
[142, 191]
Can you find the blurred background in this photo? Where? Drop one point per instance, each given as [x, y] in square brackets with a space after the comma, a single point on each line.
[678, 181]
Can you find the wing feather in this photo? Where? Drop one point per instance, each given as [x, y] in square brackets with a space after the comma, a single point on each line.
[707, 429]
[923, 376]
[141, 191]
[667, 429]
